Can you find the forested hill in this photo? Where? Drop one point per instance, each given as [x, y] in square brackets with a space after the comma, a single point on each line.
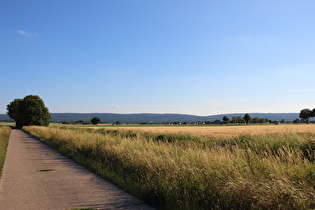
[157, 118]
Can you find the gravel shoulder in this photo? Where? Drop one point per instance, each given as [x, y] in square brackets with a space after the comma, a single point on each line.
[37, 177]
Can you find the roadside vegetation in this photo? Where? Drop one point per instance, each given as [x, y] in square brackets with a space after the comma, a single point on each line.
[4, 140]
[191, 171]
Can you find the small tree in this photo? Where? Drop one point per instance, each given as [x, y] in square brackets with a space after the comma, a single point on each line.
[297, 121]
[262, 120]
[117, 123]
[247, 118]
[305, 114]
[217, 122]
[236, 119]
[226, 120]
[95, 120]
[30, 110]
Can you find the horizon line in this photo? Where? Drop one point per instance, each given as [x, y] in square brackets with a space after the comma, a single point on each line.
[236, 113]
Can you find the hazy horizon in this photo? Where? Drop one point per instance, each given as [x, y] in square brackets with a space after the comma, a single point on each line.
[173, 113]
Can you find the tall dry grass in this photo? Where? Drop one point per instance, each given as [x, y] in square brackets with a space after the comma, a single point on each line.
[181, 171]
[4, 141]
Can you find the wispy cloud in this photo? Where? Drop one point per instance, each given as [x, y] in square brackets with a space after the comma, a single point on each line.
[24, 33]
[114, 105]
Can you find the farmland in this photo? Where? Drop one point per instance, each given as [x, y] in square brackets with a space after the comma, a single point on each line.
[198, 167]
[223, 131]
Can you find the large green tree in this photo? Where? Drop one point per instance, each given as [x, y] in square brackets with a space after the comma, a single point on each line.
[30, 110]
[14, 111]
[305, 114]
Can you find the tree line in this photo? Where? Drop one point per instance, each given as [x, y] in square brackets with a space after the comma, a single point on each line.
[246, 119]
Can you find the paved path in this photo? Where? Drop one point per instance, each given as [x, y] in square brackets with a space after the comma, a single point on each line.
[37, 177]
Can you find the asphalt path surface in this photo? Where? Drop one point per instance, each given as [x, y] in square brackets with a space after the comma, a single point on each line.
[37, 177]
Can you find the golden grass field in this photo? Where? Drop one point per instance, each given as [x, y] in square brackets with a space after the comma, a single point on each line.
[224, 131]
[216, 167]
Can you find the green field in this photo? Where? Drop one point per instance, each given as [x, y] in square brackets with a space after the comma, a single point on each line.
[4, 139]
[193, 171]
[7, 123]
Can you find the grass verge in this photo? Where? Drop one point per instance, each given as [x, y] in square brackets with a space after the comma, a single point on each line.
[4, 140]
[168, 171]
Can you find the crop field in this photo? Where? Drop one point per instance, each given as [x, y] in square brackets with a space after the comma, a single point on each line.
[7, 124]
[222, 131]
[198, 167]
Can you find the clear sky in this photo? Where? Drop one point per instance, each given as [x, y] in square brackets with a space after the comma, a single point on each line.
[200, 57]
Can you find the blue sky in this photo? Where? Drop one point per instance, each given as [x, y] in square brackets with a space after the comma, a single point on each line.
[199, 57]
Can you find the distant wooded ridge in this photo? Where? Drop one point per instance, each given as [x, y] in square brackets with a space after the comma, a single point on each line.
[158, 118]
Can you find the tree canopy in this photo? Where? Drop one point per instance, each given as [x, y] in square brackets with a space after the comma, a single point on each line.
[237, 120]
[95, 120]
[30, 110]
[247, 118]
[305, 114]
[226, 120]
